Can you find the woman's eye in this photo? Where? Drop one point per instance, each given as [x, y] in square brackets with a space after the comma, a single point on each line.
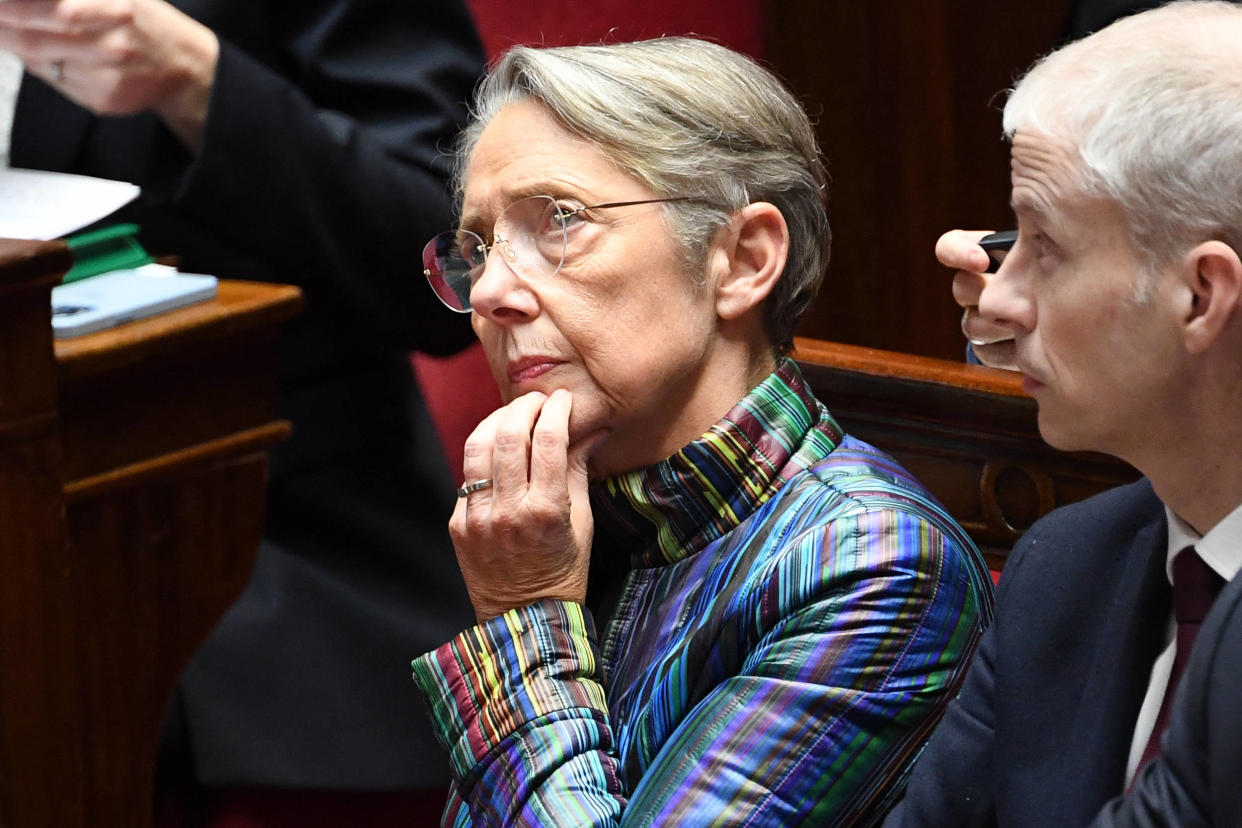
[565, 216]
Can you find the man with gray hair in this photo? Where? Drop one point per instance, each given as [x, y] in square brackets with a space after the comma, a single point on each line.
[1123, 299]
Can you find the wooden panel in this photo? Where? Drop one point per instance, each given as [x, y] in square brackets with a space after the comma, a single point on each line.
[907, 104]
[152, 567]
[969, 433]
[36, 648]
[132, 486]
[159, 385]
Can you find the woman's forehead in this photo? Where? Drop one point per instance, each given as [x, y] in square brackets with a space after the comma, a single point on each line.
[525, 151]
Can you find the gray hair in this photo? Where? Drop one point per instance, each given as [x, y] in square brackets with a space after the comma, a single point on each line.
[1153, 106]
[687, 118]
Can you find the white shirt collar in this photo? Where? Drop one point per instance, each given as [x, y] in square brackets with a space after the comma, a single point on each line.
[1220, 548]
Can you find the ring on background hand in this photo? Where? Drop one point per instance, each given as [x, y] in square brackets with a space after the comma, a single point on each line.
[485, 483]
[58, 70]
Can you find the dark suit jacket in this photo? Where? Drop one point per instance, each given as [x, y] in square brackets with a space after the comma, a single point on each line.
[1042, 729]
[1197, 780]
[321, 165]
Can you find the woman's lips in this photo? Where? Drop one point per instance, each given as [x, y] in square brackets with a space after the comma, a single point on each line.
[527, 369]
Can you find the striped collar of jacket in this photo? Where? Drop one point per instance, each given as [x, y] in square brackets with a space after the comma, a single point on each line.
[668, 511]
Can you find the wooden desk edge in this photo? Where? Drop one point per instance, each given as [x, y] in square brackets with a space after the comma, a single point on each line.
[909, 367]
[25, 264]
[238, 308]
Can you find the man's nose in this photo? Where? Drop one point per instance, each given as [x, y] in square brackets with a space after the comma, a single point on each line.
[1005, 299]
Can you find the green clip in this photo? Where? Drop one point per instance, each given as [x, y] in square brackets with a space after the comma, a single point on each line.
[114, 247]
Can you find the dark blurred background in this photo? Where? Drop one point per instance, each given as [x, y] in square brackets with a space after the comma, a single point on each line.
[907, 99]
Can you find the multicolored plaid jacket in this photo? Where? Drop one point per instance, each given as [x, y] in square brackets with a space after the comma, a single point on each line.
[796, 614]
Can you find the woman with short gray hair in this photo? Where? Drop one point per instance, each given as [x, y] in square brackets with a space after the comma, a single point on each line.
[783, 611]
[656, 108]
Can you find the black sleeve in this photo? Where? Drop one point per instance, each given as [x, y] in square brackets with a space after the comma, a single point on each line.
[328, 159]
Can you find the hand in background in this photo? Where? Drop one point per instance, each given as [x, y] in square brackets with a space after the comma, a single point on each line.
[992, 344]
[527, 536]
[118, 57]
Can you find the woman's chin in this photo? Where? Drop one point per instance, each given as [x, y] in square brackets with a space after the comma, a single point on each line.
[593, 444]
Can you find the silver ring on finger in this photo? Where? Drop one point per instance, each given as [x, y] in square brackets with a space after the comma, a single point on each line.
[485, 483]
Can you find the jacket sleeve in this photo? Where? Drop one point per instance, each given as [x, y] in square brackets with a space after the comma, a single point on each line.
[952, 781]
[518, 703]
[327, 155]
[856, 640]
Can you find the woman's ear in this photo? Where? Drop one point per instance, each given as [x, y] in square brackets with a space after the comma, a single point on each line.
[1213, 291]
[747, 258]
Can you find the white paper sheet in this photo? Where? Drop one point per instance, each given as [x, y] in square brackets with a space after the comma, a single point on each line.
[47, 205]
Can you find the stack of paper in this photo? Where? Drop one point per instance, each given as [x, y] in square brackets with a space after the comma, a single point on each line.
[47, 205]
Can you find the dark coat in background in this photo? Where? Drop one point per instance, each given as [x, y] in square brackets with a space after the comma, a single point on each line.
[321, 165]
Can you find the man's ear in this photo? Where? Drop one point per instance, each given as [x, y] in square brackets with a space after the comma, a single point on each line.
[747, 258]
[1213, 287]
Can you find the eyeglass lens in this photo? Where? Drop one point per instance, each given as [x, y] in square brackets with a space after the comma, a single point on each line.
[529, 234]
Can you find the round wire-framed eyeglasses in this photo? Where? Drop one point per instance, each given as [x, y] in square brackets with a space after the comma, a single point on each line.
[534, 235]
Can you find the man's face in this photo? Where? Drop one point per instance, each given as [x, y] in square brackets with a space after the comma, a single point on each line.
[1101, 363]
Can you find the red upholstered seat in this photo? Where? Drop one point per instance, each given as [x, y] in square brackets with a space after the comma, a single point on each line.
[460, 392]
[503, 23]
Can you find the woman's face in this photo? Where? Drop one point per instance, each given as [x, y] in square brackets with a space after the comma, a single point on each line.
[622, 326]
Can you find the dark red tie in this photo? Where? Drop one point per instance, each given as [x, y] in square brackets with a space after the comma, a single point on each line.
[1195, 587]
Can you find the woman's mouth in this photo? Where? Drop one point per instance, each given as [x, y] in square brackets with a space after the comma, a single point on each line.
[528, 369]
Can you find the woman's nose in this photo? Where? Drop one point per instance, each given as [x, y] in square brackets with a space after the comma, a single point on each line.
[498, 292]
[504, 247]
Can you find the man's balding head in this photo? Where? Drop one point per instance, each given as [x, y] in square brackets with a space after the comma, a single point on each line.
[1153, 107]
